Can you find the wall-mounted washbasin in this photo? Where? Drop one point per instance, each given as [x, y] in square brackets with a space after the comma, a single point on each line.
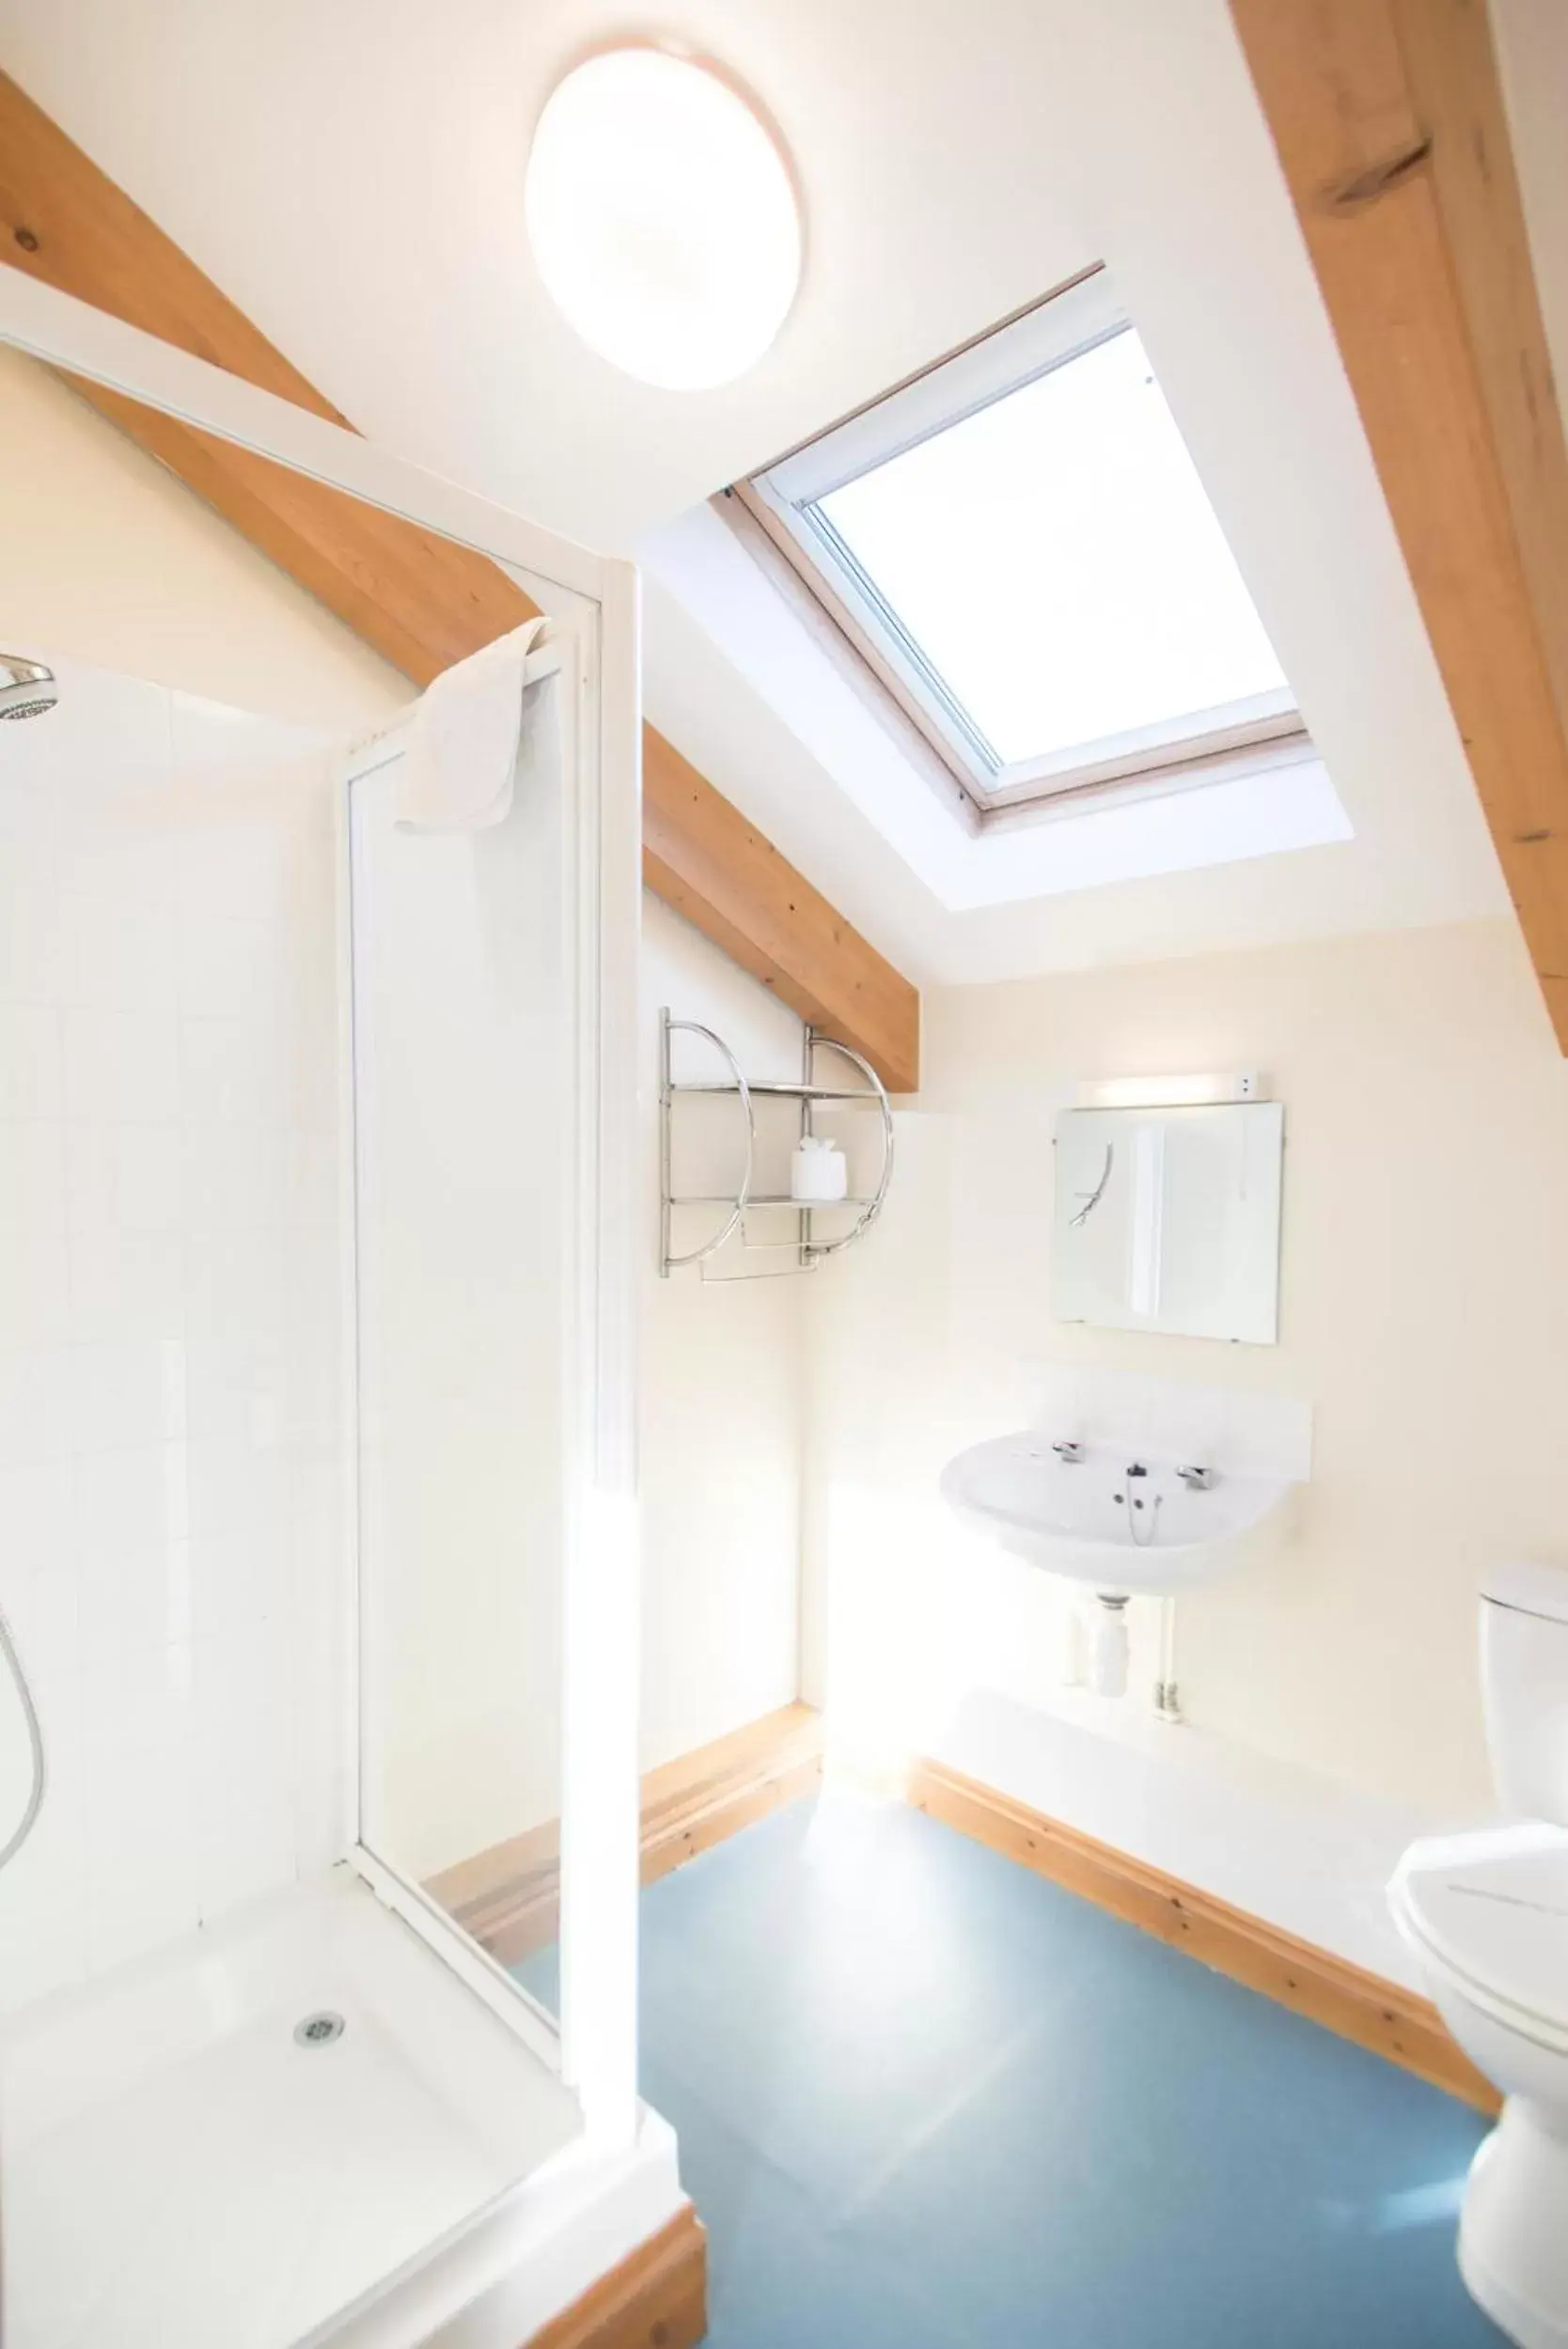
[1123, 1523]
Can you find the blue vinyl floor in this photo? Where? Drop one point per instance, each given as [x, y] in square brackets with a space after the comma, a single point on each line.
[927, 2101]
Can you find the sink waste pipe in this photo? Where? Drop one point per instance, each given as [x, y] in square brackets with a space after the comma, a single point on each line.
[1165, 1704]
[1107, 1661]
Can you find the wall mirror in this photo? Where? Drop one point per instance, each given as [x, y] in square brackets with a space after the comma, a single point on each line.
[1168, 1219]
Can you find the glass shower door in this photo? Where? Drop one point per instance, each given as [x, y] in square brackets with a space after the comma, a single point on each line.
[465, 1050]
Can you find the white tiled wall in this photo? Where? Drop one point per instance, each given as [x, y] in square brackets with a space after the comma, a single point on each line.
[170, 1552]
[1216, 1426]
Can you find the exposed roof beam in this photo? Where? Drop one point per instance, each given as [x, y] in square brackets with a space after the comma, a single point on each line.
[702, 858]
[1389, 119]
[419, 600]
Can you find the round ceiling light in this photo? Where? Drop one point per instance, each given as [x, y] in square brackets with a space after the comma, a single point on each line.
[663, 218]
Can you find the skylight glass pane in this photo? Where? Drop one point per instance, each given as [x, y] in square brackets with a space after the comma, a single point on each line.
[1056, 560]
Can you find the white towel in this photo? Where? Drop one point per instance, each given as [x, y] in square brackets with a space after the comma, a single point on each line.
[457, 772]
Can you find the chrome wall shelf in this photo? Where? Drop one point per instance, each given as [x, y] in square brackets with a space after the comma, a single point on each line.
[806, 1246]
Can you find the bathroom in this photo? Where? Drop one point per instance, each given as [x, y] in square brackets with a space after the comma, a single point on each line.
[513, 1382]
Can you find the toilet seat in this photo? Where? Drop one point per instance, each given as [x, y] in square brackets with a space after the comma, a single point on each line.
[1490, 1910]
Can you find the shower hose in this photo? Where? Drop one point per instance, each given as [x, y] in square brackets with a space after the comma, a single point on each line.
[13, 1844]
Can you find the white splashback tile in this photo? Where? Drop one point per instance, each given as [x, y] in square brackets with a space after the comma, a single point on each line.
[124, 947]
[169, 1380]
[36, 955]
[130, 1499]
[31, 1067]
[120, 1064]
[245, 1844]
[43, 1610]
[133, 1603]
[141, 1855]
[1189, 1423]
[123, 1284]
[123, 1177]
[211, 743]
[35, 1283]
[117, 1392]
[236, 1584]
[234, 1177]
[138, 1701]
[320, 1822]
[229, 965]
[235, 1072]
[234, 1294]
[39, 1509]
[35, 1422]
[32, 1178]
[1210, 1426]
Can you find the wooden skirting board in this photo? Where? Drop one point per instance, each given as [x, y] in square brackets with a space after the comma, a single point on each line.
[508, 1897]
[1378, 2014]
[657, 2298]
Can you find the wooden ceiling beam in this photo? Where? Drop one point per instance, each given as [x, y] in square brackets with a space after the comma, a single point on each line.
[1388, 121]
[702, 858]
[419, 600]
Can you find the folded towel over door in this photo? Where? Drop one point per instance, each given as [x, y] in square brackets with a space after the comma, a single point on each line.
[458, 772]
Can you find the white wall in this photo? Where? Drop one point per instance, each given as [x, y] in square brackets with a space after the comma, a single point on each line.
[110, 559]
[1424, 1315]
[721, 1385]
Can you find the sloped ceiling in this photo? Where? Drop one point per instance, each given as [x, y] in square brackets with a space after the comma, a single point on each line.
[351, 174]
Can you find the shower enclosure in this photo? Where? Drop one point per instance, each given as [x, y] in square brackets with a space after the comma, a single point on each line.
[327, 1588]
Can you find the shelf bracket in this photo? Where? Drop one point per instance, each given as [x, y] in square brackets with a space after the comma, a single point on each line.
[668, 1261]
[808, 1252]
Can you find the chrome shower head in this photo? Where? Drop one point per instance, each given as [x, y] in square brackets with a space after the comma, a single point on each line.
[26, 688]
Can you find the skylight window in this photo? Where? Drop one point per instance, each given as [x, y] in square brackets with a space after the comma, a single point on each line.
[1020, 548]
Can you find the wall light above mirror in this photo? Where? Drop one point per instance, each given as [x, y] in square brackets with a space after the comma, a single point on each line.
[1172, 1092]
[1167, 1215]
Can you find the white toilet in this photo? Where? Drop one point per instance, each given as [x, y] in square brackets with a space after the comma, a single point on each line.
[1486, 1914]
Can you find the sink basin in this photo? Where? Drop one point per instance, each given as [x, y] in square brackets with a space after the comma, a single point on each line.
[1082, 1517]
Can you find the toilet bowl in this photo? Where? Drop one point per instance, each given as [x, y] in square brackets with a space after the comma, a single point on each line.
[1485, 1915]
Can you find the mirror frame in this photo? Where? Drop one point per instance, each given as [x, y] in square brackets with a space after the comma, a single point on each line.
[1256, 1322]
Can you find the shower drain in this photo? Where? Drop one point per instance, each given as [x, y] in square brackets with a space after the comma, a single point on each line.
[319, 2030]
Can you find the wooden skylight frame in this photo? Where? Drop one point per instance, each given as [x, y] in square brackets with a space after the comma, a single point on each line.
[773, 513]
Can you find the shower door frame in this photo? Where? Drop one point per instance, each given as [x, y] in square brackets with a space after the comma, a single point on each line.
[596, 2045]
